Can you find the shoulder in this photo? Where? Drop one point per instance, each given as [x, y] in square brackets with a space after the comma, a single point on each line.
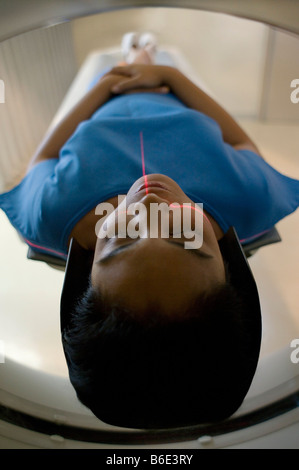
[39, 159]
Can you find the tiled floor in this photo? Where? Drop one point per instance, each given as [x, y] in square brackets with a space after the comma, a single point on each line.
[30, 292]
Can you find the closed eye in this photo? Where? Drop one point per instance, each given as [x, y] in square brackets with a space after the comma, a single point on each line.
[197, 252]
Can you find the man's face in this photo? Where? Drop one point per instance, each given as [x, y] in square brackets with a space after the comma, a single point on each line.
[136, 271]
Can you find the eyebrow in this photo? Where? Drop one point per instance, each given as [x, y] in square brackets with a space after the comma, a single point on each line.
[120, 249]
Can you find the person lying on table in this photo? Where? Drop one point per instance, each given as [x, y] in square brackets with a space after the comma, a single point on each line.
[155, 335]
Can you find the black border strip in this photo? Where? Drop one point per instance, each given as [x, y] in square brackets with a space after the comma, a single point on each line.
[142, 437]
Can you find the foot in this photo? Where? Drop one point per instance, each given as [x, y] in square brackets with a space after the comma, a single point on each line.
[148, 42]
[139, 48]
[130, 46]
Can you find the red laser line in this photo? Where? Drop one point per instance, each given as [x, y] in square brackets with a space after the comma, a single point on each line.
[44, 248]
[143, 164]
[254, 236]
[190, 207]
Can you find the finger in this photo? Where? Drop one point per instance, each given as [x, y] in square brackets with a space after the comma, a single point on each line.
[126, 85]
[162, 90]
[122, 70]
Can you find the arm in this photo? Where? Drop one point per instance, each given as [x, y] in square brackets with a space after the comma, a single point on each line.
[96, 97]
[192, 96]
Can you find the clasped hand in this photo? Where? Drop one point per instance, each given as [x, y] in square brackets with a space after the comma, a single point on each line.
[138, 78]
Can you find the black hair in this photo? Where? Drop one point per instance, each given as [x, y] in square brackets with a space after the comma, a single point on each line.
[157, 371]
